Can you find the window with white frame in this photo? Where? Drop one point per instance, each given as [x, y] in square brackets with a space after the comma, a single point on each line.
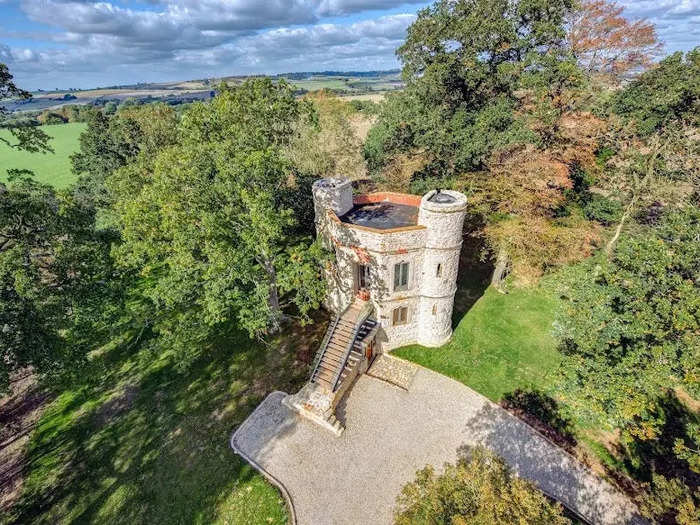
[400, 316]
[401, 276]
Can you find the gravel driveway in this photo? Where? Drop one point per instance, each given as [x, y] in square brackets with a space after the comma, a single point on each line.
[390, 433]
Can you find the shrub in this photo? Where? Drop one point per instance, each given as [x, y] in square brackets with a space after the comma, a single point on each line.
[605, 211]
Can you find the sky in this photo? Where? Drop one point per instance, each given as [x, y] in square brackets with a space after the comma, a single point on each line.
[65, 44]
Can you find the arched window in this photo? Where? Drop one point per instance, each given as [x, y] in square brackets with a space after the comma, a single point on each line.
[438, 271]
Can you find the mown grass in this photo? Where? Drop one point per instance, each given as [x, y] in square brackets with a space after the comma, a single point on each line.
[50, 168]
[503, 343]
[148, 443]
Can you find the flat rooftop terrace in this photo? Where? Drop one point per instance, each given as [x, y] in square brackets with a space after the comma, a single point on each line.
[382, 215]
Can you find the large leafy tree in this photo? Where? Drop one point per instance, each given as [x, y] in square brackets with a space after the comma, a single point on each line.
[464, 64]
[669, 92]
[480, 488]
[631, 329]
[209, 222]
[111, 142]
[55, 272]
[55, 281]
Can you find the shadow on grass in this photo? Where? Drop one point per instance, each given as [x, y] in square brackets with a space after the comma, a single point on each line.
[148, 442]
[474, 273]
[541, 412]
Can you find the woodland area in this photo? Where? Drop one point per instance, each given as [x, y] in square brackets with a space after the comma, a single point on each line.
[573, 137]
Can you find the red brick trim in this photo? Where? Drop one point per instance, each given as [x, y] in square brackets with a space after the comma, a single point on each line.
[388, 196]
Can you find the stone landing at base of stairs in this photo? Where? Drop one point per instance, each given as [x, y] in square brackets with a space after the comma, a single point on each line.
[396, 371]
[314, 402]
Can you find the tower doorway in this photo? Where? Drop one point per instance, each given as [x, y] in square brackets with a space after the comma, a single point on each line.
[362, 280]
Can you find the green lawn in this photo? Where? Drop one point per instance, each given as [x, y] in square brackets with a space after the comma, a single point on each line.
[502, 343]
[149, 444]
[51, 168]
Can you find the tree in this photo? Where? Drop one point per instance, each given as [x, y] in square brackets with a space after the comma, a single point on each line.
[605, 42]
[630, 335]
[464, 64]
[631, 328]
[331, 148]
[111, 142]
[26, 136]
[480, 488]
[669, 92]
[55, 280]
[209, 224]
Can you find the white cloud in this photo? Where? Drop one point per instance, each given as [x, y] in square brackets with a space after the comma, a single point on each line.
[367, 44]
[677, 21]
[117, 41]
[342, 7]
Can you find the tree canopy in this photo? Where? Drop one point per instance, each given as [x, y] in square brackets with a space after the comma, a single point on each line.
[666, 93]
[631, 332]
[57, 286]
[480, 488]
[56, 280]
[209, 222]
[606, 42]
[463, 64]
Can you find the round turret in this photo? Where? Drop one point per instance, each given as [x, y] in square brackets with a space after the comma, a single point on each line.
[442, 212]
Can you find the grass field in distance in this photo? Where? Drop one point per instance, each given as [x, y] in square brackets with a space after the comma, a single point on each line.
[50, 168]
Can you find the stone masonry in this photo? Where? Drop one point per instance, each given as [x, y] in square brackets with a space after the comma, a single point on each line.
[425, 250]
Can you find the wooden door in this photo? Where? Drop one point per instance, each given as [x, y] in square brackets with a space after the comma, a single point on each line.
[369, 352]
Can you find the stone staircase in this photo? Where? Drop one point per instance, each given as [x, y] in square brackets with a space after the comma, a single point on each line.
[336, 364]
[340, 351]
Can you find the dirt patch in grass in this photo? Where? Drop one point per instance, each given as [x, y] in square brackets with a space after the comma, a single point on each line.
[119, 403]
[20, 409]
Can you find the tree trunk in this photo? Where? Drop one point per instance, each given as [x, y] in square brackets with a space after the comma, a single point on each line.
[501, 270]
[638, 188]
[618, 230]
[273, 299]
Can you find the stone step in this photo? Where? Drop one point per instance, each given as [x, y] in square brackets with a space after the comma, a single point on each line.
[329, 366]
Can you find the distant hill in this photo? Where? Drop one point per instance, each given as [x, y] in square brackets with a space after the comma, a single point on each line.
[344, 83]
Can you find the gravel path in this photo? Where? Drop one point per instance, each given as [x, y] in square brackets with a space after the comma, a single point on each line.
[390, 433]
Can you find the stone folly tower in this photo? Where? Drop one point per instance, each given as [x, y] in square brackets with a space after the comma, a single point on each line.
[400, 251]
[392, 284]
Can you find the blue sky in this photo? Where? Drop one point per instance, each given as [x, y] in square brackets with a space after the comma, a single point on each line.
[80, 43]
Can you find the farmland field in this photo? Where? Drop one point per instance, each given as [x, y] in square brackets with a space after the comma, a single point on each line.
[51, 168]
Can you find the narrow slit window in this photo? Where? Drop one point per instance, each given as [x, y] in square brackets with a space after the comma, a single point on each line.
[400, 316]
[401, 276]
[438, 271]
[434, 309]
